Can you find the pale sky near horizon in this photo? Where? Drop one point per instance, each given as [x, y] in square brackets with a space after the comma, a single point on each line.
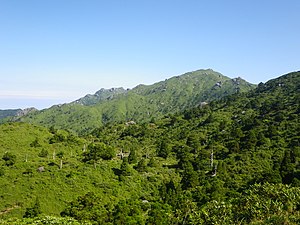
[56, 51]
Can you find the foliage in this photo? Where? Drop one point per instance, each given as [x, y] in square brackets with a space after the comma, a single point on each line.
[35, 143]
[141, 166]
[141, 103]
[87, 208]
[9, 158]
[132, 158]
[2, 171]
[33, 211]
[232, 161]
[97, 151]
[44, 220]
[8, 113]
[43, 153]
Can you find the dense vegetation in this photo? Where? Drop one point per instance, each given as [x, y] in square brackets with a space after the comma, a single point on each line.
[140, 104]
[8, 113]
[233, 161]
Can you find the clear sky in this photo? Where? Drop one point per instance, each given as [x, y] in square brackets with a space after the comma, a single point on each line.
[56, 51]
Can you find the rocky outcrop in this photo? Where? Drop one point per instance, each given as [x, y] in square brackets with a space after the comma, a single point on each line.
[26, 111]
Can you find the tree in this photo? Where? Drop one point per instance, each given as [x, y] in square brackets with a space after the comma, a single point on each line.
[141, 166]
[152, 162]
[2, 171]
[170, 193]
[287, 168]
[33, 211]
[87, 207]
[183, 155]
[132, 158]
[9, 158]
[43, 153]
[251, 140]
[237, 133]
[128, 212]
[233, 146]
[164, 149]
[97, 151]
[52, 130]
[57, 138]
[189, 176]
[107, 152]
[159, 214]
[124, 169]
[93, 154]
[35, 143]
[269, 204]
[193, 142]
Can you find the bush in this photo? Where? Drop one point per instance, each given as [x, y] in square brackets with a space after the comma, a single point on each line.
[33, 211]
[2, 171]
[35, 143]
[9, 158]
[43, 153]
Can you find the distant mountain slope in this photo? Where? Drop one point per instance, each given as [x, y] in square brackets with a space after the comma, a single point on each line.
[141, 103]
[8, 112]
[101, 95]
[218, 164]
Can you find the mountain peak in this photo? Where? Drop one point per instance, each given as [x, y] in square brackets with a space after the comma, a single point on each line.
[143, 102]
[101, 95]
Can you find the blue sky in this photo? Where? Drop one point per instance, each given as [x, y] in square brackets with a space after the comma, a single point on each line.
[55, 51]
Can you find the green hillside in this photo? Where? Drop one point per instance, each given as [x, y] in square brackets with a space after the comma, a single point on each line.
[8, 112]
[232, 161]
[11, 114]
[101, 95]
[140, 104]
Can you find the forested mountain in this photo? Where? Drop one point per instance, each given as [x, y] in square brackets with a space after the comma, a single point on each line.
[101, 95]
[140, 104]
[8, 112]
[232, 161]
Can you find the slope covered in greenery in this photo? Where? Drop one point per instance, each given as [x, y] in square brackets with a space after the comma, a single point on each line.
[140, 104]
[43, 170]
[101, 95]
[233, 161]
[11, 114]
[8, 112]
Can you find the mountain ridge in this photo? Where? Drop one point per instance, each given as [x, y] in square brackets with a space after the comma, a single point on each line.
[101, 95]
[11, 113]
[8, 113]
[218, 164]
[141, 103]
